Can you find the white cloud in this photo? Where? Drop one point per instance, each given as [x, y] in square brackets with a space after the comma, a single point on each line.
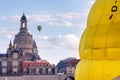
[58, 19]
[45, 46]
[62, 23]
[3, 17]
[9, 36]
[69, 19]
[92, 2]
[15, 18]
[10, 18]
[41, 18]
[45, 37]
[69, 41]
[70, 16]
[5, 32]
[68, 23]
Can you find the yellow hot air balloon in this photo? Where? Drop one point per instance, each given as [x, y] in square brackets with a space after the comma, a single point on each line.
[100, 43]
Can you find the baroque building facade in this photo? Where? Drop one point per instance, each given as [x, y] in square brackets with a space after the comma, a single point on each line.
[22, 56]
[67, 66]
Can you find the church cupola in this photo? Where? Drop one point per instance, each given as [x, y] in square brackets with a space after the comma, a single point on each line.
[23, 17]
[23, 26]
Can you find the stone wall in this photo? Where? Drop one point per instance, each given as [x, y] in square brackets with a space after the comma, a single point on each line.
[33, 77]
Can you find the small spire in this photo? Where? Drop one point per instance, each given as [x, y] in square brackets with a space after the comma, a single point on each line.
[34, 44]
[23, 13]
[23, 17]
[33, 49]
[33, 55]
[10, 44]
[33, 52]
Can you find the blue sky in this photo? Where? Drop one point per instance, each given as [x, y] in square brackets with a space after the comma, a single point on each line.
[62, 21]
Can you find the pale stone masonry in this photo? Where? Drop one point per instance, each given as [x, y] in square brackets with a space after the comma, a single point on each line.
[34, 77]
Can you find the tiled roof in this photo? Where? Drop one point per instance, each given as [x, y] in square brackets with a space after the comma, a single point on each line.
[73, 62]
[35, 63]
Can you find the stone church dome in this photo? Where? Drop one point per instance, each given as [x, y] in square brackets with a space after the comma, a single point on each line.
[24, 39]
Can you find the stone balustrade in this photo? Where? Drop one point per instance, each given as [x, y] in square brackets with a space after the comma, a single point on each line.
[34, 77]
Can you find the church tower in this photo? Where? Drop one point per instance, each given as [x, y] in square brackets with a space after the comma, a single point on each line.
[23, 24]
[24, 39]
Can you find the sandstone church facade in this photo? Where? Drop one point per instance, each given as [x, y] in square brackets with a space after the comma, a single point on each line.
[22, 56]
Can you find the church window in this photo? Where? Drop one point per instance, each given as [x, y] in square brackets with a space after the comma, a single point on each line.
[4, 63]
[23, 25]
[15, 63]
[15, 70]
[4, 70]
[15, 55]
[23, 42]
